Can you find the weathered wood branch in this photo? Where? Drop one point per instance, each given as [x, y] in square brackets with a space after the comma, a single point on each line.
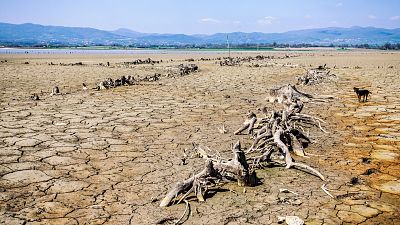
[278, 131]
[297, 146]
[266, 135]
[316, 76]
[237, 168]
[248, 124]
[309, 169]
[286, 94]
[283, 147]
[187, 184]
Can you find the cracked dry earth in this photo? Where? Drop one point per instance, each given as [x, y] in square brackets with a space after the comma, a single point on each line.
[109, 157]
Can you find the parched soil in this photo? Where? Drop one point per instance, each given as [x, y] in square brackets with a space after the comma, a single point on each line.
[110, 156]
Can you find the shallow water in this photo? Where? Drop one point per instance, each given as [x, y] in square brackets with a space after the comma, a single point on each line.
[110, 51]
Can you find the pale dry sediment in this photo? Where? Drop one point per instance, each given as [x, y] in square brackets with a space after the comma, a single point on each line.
[110, 156]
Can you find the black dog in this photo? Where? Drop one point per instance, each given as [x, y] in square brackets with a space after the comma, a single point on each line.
[362, 93]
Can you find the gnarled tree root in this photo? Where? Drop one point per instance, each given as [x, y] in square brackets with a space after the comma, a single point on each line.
[248, 124]
[304, 167]
[237, 169]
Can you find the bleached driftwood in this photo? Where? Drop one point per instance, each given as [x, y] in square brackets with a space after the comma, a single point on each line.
[316, 76]
[286, 93]
[215, 171]
[248, 124]
[281, 131]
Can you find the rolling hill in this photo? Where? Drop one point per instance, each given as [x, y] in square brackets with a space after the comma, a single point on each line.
[36, 35]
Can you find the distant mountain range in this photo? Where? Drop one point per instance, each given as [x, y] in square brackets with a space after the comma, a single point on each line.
[36, 35]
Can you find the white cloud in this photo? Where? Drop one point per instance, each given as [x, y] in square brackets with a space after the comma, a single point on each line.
[308, 16]
[209, 20]
[395, 18]
[372, 17]
[266, 20]
[339, 4]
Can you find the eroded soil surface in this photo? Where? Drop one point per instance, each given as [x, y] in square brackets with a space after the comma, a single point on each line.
[109, 156]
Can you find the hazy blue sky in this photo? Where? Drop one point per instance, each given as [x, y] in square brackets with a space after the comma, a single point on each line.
[203, 16]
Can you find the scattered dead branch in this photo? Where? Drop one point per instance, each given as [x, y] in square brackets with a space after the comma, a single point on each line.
[187, 209]
[284, 190]
[222, 130]
[187, 69]
[230, 62]
[316, 76]
[326, 190]
[70, 64]
[180, 70]
[290, 220]
[55, 91]
[35, 97]
[248, 124]
[287, 94]
[142, 61]
[110, 83]
[279, 133]
[237, 61]
[216, 170]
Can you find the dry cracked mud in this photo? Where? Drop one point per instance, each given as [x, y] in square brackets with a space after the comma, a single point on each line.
[109, 157]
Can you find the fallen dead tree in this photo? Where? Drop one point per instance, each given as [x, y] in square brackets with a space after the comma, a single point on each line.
[230, 62]
[237, 61]
[151, 78]
[110, 83]
[316, 76]
[140, 61]
[180, 70]
[187, 69]
[287, 93]
[69, 64]
[282, 131]
[275, 136]
[217, 170]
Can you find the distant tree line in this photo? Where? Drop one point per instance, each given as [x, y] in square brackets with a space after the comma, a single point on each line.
[386, 46]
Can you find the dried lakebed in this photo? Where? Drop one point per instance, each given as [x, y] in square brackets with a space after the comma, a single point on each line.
[110, 156]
